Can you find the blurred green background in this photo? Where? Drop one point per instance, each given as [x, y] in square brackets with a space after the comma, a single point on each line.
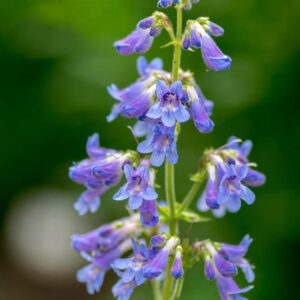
[56, 60]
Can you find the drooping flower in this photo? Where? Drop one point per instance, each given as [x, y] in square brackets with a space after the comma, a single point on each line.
[198, 36]
[165, 3]
[106, 237]
[123, 290]
[228, 177]
[235, 254]
[98, 173]
[132, 268]
[149, 213]
[169, 106]
[229, 290]
[161, 143]
[141, 39]
[159, 262]
[90, 241]
[137, 187]
[198, 111]
[144, 128]
[253, 178]
[93, 274]
[136, 99]
[187, 4]
[221, 264]
[177, 269]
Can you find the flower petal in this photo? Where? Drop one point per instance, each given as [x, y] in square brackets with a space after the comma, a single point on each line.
[168, 118]
[157, 158]
[181, 114]
[176, 88]
[149, 193]
[155, 111]
[161, 88]
[213, 56]
[247, 195]
[122, 193]
[135, 201]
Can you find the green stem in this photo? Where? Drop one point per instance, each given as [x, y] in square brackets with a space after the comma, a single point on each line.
[168, 281]
[169, 168]
[189, 197]
[156, 289]
[177, 48]
[178, 288]
[170, 195]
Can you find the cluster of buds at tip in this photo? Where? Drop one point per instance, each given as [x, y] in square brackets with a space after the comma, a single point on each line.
[141, 39]
[197, 35]
[186, 4]
[229, 175]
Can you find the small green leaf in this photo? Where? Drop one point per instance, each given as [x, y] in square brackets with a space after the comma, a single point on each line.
[189, 215]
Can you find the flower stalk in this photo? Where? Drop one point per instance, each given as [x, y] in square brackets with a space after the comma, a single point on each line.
[161, 102]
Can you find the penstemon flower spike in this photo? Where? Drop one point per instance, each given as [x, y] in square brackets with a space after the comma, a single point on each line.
[147, 244]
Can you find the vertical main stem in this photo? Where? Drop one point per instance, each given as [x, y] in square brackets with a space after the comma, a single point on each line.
[170, 193]
[156, 289]
[177, 48]
[169, 169]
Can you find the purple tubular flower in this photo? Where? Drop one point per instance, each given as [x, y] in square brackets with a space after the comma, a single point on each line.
[123, 290]
[212, 55]
[243, 150]
[98, 173]
[209, 270]
[208, 105]
[89, 241]
[198, 112]
[169, 106]
[105, 237]
[186, 43]
[144, 128]
[228, 289]
[158, 240]
[137, 187]
[161, 143]
[215, 29]
[155, 31]
[92, 276]
[177, 269]
[231, 190]
[149, 213]
[225, 268]
[195, 38]
[138, 106]
[211, 190]
[133, 266]
[158, 264]
[139, 41]
[146, 69]
[164, 3]
[236, 254]
[147, 22]
[135, 99]
[222, 265]
[254, 178]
